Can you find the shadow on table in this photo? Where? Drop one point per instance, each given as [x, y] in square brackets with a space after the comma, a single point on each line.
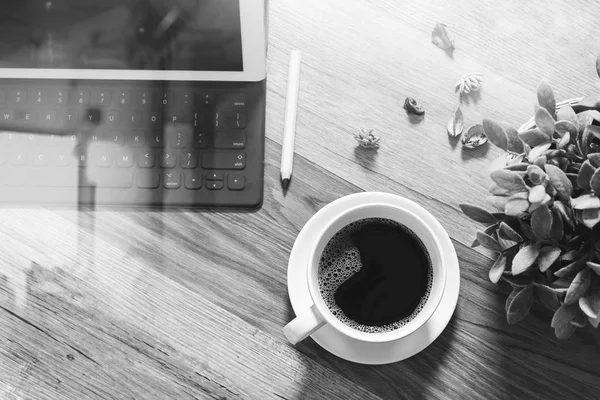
[411, 379]
[530, 362]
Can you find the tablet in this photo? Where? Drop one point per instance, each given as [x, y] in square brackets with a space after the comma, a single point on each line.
[179, 40]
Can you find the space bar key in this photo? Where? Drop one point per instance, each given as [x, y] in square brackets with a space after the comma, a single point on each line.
[71, 178]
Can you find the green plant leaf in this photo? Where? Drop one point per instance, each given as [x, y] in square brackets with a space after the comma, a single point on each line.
[548, 256]
[544, 121]
[508, 233]
[594, 159]
[586, 171]
[498, 202]
[587, 306]
[495, 133]
[525, 258]
[557, 230]
[534, 137]
[516, 207]
[564, 140]
[564, 315]
[560, 181]
[537, 151]
[497, 190]
[564, 127]
[594, 302]
[564, 332]
[566, 113]
[537, 194]
[590, 217]
[517, 167]
[488, 241]
[475, 243]
[456, 123]
[594, 181]
[585, 202]
[527, 231]
[541, 222]
[511, 296]
[519, 306]
[536, 175]
[547, 296]
[566, 214]
[594, 267]
[517, 280]
[595, 130]
[515, 144]
[569, 270]
[591, 101]
[540, 162]
[546, 98]
[510, 180]
[578, 287]
[580, 319]
[477, 214]
[498, 268]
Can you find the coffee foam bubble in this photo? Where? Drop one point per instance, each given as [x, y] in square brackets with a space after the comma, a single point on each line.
[340, 260]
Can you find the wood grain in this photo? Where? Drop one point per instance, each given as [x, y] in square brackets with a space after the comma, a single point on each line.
[190, 305]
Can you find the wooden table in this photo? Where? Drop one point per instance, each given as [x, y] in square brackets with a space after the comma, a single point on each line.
[191, 305]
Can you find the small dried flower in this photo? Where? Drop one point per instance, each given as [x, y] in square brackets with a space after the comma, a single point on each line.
[469, 83]
[367, 139]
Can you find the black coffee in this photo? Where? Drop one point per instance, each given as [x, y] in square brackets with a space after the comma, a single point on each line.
[375, 275]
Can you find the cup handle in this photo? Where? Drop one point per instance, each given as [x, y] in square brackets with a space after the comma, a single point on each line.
[304, 325]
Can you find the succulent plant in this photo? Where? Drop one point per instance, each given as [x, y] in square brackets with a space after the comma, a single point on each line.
[545, 231]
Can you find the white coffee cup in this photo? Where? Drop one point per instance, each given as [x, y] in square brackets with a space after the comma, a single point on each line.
[311, 319]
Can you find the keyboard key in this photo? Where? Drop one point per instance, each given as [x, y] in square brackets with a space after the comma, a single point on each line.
[40, 158]
[177, 135]
[137, 139]
[2, 96]
[215, 176]
[102, 159]
[50, 140]
[184, 98]
[133, 118]
[172, 180]
[200, 140]
[232, 100]
[70, 117]
[17, 97]
[240, 120]
[235, 181]
[142, 99]
[116, 139]
[10, 138]
[230, 140]
[168, 160]
[224, 160]
[100, 98]
[146, 158]
[81, 159]
[48, 117]
[214, 185]
[40, 97]
[7, 115]
[80, 97]
[205, 98]
[92, 116]
[188, 159]
[148, 179]
[112, 117]
[30, 140]
[154, 119]
[25, 116]
[109, 178]
[61, 158]
[125, 159]
[19, 158]
[57, 97]
[124, 98]
[165, 98]
[193, 180]
[157, 139]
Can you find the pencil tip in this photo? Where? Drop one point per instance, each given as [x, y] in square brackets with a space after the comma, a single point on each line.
[285, 183]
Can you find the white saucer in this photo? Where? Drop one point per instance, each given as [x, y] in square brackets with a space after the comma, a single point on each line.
[351, 349]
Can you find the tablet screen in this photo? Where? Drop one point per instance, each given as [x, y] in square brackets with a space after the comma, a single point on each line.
[167, 35]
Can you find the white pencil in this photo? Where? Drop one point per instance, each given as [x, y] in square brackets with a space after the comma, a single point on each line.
[291, 108]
